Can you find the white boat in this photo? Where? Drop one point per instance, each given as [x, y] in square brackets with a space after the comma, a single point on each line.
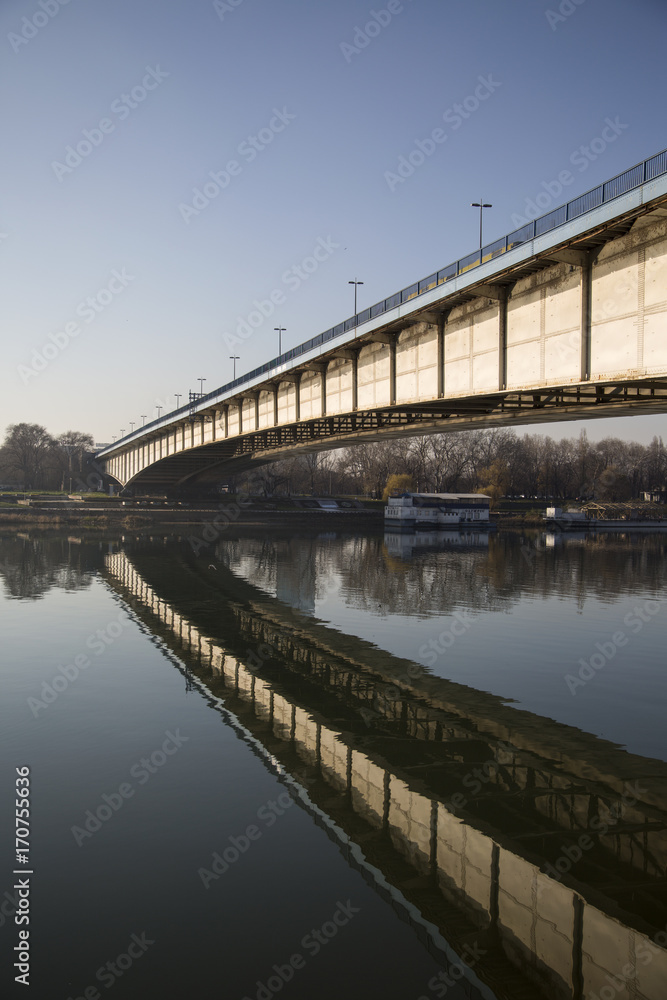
[437, 510]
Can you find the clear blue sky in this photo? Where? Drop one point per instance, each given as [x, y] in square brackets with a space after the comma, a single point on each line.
[330, 120]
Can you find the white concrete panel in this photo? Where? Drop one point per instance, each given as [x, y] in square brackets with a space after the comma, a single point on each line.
[614, 291]
[655, 341]
[523, 316]
[233, 419]
[485, 371]
[562, 308]
[613, 347]
[523, 364]
[655, 282]
[248, 415]
[457, 340]
[286, 403]
[485, 330]
[266, 409]
[311, 396]
[458, 378]
[339, 387]
[373, 376]
[416, 364]
[562, 357]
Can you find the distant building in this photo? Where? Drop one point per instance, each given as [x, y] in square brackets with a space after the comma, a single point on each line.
[656, 495]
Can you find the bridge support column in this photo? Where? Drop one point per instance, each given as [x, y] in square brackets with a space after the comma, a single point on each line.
[275, 405]
[392, 370]
[226, 420]
[586, 303]
[502, 341]
[355, 379]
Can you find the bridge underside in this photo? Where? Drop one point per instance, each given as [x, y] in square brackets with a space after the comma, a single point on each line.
[210, 463]
[567, 331]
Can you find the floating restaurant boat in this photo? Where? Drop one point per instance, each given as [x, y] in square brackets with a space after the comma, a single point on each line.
[411, 511]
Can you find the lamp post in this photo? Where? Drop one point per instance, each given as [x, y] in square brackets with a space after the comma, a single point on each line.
[355, 283]
[481, 205]
[201, 385]
[178, 397]
[159, 411]
[143, 418]
[280, 330]
[122, 432]
[234, 358]
[132, 423]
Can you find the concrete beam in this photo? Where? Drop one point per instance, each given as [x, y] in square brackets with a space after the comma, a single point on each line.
[381, 338]
[344, 355]
[497, 292]
[578, 257]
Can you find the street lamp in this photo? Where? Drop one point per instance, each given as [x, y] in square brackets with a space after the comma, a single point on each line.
[201, 385]
[280, 330]
[178, 396]
[132, 423]
[143, 417]
[481, 205]
[234, 358]
[122, 432]
[159, 411]
[355, 283]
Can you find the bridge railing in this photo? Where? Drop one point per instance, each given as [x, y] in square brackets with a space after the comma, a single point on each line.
[634, 177]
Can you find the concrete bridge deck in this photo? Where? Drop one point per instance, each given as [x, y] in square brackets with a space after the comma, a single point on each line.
[562, 319]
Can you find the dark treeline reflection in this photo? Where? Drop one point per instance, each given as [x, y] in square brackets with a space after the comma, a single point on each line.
[383, 573]
[30, 565]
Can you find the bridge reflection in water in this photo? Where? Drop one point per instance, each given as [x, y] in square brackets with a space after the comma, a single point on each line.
[533, 851]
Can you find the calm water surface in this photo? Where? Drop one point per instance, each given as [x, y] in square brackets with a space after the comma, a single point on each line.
[337, 764]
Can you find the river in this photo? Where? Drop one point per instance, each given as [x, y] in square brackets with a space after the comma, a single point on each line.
[334, 764]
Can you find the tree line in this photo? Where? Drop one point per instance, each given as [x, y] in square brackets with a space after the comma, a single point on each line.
[31, 459]
[499, 462]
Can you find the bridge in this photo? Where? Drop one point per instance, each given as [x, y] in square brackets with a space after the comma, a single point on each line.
[562, 319]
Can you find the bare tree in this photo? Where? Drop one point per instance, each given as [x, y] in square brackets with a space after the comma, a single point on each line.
[27, 450]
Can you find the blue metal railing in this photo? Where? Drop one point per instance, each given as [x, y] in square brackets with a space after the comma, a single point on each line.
[634, 177]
